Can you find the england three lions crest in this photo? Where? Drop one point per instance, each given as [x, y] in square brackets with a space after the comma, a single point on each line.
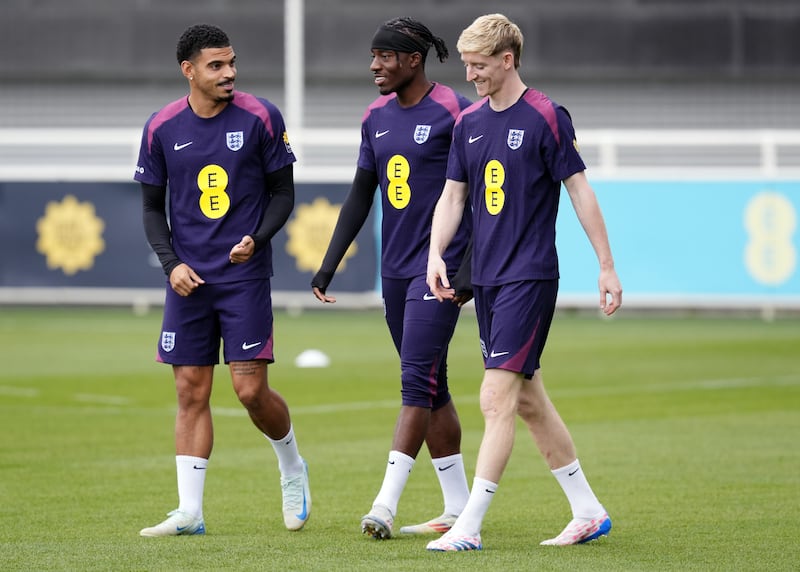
[515, 138]
[235, 140]
[167, 341]
[421, 133]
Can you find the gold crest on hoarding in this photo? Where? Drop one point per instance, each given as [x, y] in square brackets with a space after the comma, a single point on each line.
[70, 235]
[310, 232]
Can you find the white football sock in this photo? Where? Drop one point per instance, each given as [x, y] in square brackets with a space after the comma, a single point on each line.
[581, 499]
[289, 460]
[471, 519]
[394, 480]
[453, 480]
[191, 483]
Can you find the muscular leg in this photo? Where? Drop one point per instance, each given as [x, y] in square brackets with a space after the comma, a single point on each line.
[440, 429]
[270, 414]
[545, 424]
[499, 395]
[411, 429]
[194, 439]
[194, 432]
[444, 432]
[558, 449]
[266, 407]
[420, 330]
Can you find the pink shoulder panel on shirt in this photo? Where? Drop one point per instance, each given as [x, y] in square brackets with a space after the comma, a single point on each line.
[541, 103]
[378, 103]
[251, 104]
[474, 107]
[446, 97]
[165, 114]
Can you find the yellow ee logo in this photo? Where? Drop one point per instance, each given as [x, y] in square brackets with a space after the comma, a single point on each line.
[212, 180]
[770, 220]
[398, 192]
[494, 175]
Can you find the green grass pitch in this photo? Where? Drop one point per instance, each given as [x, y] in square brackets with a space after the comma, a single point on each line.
[688, 429]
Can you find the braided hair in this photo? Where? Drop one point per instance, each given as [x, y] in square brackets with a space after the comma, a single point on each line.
[421, 34]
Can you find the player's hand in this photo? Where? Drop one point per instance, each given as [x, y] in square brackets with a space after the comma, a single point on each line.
[610, 291]
[242, 251]
[319, 284]
[322, 297]
[462, 297]
[437, 279]
[184, 280]
[462, 281]
[462, 287]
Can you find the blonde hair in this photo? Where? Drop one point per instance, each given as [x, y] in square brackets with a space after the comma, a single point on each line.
[491, 34]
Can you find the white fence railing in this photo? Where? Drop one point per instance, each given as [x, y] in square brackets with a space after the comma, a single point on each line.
[329, 155]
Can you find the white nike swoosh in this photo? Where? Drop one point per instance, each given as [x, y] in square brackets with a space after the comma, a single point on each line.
[497, 354]
[379, 134]
[179, 147]
[246, 346]
[473, 139]
[428, 297]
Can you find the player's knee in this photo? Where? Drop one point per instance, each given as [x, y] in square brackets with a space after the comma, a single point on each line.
[496, 400]
[416, 401]
[413, 397]
[192, 396]
[417, 388]
[250, 395]
[440, 401]
[189, 404]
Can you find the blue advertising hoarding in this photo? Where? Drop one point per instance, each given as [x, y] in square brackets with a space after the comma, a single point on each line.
[690, 238]
[90, 235]
[671, 239]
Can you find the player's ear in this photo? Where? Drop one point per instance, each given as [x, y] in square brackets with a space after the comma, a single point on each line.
[508, 59]
[187, 69]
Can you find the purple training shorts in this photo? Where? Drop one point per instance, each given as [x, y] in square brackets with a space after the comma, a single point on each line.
[421, 328]
[238, 313]
[513, 321]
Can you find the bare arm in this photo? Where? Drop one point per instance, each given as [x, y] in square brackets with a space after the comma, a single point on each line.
[588, 211]
[446, 218]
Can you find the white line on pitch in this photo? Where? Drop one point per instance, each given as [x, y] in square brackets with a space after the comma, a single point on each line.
[18, 391]
[102, 399]
[699, 385]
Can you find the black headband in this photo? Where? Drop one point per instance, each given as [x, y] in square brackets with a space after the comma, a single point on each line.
[389, 39]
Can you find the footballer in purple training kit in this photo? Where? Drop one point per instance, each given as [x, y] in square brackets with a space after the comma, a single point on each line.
[215, 169]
